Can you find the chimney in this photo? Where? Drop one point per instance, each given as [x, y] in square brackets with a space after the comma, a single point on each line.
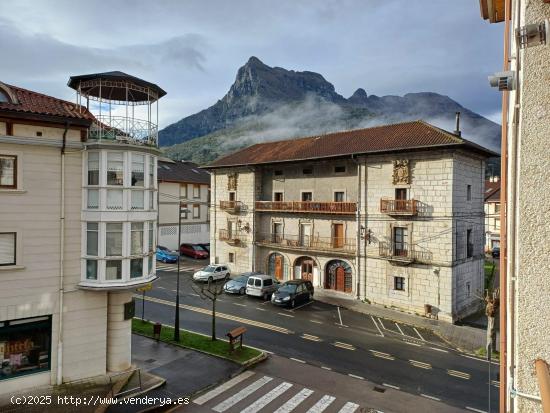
[457, 128]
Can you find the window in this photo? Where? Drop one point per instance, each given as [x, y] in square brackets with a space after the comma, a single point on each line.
[469, 244]
[136, 243]
[307, 196]
[307, 171]
[497, 208]
[137, 199]
[150, 264]
[115, 168]
[278, 172]
[257, 282]
[93, 199]
[196, 191]
[400, 247]
[113, 244]
[401, 194]
[3, 98]
[138, 170]
[231, 257]
[8, 171]
[114, 198]
[7, 248]
[184, 211]
[113, 270]
[93, 168]
[339, 196]
[196, 211]
[136, 268]
[151, 172]
[183, 191]
[151, 200]
[399, 283]
[497, 223]
[268, 282]
[278, 196]
[469, 192]
[340, 169]
[91, 269]
[151, 237]
[92, 238]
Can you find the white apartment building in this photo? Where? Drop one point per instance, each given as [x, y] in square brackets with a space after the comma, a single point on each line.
[391, 214]
[492, 214]
[78, 217]
[185, 187]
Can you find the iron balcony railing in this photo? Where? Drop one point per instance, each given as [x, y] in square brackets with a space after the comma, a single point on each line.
[399, 206]
[124, 129]
[231, 206]
[403, 251]
[308, 207]
[334, 244]
[229, 237]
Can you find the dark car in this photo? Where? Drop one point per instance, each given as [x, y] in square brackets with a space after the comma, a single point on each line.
[238, 284]
[496, 252]
[205, 247]
[293, 292]
[194, 251]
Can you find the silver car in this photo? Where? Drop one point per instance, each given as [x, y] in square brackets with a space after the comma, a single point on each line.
[261, 286]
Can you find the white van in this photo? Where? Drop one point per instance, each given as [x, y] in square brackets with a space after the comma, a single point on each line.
[261, 285]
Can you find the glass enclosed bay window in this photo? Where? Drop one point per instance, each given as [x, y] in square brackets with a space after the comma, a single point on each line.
[93, 168]
[115, 168]
[138, 170]
[113, 240]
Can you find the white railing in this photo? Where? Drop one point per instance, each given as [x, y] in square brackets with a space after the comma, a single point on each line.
[124, 129]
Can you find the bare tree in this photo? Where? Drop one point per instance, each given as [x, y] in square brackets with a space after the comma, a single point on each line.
[210, 291]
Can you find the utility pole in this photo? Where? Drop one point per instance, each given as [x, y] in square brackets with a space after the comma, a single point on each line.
[177, 316]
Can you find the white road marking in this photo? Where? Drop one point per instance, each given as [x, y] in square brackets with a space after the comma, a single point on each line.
[286, 315]
[340, 315]
[419, 335]
[399, 328]
[479, 359]
[458, 374]
[391, 386]
[239, 304]
[382, 355]
[376, 324]
[475, 410]
[194, 295]
[412, 344]
[430, 397]
[316, 322]
[356, 377]
[162, 288]
[267, 398]
[420, 364]
[343, 345]
[439, 349]
[236, 398]
[340, 325]
[310, 337]
[349, 407]
[223, 387]
[298, 360]
[322, 404]
[261, 309]
[295, 401]
[326, 368]
[381, 323]
[303, 305]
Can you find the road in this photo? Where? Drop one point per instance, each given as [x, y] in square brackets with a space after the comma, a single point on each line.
[395, 356]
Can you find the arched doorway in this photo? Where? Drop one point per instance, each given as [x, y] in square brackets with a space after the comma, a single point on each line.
[338, 276]
[305, 268]
[277, 266]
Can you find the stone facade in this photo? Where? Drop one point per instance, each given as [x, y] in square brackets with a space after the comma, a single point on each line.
[324, 220]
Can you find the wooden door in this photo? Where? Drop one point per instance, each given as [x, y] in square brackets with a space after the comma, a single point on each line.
[278, 267]
[337, 235]
[340, 278]
[307, 270]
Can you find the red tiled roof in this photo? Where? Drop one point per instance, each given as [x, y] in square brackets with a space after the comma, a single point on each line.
[396, 137]
[35, 103]
[492, 191]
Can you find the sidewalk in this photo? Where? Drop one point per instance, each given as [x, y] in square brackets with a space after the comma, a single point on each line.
[465, 338]
[181, 368]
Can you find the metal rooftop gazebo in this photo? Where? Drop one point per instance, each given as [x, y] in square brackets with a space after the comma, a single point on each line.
[120, 91]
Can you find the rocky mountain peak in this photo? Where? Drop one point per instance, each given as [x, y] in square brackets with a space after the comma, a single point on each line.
[359, 96]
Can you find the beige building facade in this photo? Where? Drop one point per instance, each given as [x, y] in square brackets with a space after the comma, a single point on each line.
[77, 224]
[401, 229]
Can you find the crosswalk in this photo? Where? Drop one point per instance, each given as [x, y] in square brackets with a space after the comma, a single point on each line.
[250, 393]
[174, 268]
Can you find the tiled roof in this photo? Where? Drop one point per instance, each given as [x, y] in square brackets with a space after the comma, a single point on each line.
[492, 191]
[396, 137]
[182, 171]
[34, 103]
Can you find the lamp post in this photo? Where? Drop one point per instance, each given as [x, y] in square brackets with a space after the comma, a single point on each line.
[177, 316]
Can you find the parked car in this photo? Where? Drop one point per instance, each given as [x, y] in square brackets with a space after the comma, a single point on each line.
[163, 254]
[193, 250]
[496, 252]
[238, 285]
[205, 247]
[293, 292]
[212, 272]
[261, 285]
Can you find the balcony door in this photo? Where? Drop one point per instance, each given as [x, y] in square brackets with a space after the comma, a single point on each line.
[337, 235]
[277, 232]
[305, 235]
[400, 242]
[400, 200]
[231, 229]
[279, 267]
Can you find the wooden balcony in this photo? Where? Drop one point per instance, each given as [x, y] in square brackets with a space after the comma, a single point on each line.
[231, 239]
[312, 207]
[233, 207]
[399, 206]
[309, 243]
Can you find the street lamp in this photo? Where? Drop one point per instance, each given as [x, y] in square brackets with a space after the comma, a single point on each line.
[177, 317]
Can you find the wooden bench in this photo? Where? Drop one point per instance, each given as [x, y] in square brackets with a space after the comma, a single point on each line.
[234, 335]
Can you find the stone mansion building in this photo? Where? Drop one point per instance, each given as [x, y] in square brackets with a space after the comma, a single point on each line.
[390, 214]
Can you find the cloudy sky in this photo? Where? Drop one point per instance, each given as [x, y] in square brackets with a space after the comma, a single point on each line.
[193, 48]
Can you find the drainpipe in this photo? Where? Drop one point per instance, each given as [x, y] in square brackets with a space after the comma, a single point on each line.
[59, 375]
[358, 235]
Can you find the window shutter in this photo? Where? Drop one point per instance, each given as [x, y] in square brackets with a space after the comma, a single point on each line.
[7, 248]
